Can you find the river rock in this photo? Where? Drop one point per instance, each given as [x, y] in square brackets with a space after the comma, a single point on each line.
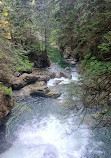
[29, 89]
[26, 79]
[57, 82]
[37, 89]
[67, 68]
[23, 80]
[53, 94]
[71, 61]
[43, 75]
[65, 74]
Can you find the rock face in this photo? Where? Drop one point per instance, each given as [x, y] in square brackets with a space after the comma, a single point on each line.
[5, 105]
[6, 79]
[40, 59]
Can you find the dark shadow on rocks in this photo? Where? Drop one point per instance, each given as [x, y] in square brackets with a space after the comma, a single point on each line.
[4, 142]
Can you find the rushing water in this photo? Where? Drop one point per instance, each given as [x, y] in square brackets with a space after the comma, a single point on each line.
[46, 128]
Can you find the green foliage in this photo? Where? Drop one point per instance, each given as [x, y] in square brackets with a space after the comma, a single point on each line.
[105, 47]
[86, 26]
[25, 64]
[93, 64]
[34, 47]
[56, 57]
[7, 91]
[88, 55]
[54, 36]
[95, 67]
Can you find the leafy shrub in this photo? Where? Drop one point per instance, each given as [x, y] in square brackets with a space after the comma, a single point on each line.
[95, 67]
[25, 64]
[105, 47]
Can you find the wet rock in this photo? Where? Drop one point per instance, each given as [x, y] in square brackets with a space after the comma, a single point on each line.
[37, 89]
[57, 82]
[26, 79]
[67, 68]
[43, 74]
[23, 80]
[71, 61]
[65, 74]
[53, 94]
[44, 78]
[29, 89]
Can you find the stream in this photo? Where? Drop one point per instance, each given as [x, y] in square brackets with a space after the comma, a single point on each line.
[47, 128]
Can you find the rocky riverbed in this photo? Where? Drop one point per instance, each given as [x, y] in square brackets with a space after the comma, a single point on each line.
[40, 127]
[34, 83]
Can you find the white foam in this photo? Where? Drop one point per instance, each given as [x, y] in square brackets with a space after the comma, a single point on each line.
[53, 82]
[48, 138]
[63, 80]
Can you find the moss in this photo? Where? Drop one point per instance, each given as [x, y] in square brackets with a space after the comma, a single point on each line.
[13, 59]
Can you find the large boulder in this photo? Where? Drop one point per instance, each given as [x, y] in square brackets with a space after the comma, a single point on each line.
[24, 80]
[43, 74]
[37, 89]
[40, 59]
